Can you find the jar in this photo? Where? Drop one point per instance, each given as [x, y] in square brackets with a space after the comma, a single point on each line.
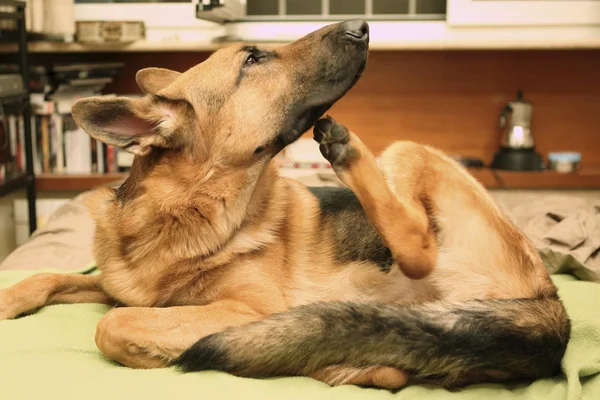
[564, 162]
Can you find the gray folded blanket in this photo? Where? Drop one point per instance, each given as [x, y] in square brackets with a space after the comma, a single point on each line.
[565, 228]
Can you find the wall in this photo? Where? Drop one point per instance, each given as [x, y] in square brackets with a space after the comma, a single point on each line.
[453, 99]
[450, 99]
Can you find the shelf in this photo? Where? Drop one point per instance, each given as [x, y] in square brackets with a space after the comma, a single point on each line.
[8, 37]
[193, 35]
[14, 3]
[385, 36]
[15, 183]
[50, 182]
[10, 15]
[144, 46]
[11, 98]
[138, 46]
[585, 179]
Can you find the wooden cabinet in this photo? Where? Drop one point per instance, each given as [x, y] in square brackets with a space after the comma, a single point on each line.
[523, 12]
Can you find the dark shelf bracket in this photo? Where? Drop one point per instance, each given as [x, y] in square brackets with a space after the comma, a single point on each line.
[26, 180]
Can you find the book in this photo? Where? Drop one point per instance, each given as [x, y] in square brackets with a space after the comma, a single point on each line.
[20, 144]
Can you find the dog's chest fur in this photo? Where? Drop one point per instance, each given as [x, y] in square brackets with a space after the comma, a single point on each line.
[309, 244]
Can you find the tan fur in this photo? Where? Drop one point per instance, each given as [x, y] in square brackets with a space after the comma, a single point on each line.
[383, 377]
[214, 234]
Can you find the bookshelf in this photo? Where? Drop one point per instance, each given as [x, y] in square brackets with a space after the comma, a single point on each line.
[64, 156]
[13, 179]
[584, 179]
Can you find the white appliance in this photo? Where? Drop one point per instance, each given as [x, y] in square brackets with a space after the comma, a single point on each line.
[220, 11]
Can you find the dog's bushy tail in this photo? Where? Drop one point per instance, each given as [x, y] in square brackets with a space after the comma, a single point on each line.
[520, 338]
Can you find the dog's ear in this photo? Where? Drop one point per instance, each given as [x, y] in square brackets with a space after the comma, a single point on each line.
[153, 80]
[133, 124]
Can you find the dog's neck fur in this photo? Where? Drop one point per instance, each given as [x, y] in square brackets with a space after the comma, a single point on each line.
[194, 208]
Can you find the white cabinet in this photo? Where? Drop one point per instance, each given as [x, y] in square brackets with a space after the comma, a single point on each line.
[523, 12]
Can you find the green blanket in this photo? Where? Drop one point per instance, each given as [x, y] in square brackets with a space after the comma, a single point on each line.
[52, 355]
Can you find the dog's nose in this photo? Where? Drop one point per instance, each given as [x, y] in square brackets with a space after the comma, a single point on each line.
[356, 29]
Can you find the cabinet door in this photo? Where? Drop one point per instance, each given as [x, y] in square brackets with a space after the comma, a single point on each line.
[523, 12]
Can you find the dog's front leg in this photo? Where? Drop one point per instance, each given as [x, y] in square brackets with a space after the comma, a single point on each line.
[400, 221]
[46, 289]
[141, 337]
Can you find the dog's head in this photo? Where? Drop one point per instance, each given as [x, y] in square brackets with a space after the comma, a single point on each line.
[239, 107]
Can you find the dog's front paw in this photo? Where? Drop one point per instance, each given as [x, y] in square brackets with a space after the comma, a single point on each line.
[336, 144]
[9, 308]
[131, 337]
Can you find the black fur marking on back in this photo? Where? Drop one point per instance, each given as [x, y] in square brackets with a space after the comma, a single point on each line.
[354, 238]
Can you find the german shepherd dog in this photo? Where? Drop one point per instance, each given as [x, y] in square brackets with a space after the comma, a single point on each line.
[410, 271]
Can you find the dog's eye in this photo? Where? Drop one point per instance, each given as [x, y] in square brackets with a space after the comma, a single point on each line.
[251, 60]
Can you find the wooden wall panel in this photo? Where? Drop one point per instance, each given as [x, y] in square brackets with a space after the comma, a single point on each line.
[449, 99]
[453, 99]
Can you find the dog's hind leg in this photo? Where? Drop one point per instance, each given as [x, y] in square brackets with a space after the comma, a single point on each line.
[382, 377]
[417, 199]
[397, 214]
[41, 290]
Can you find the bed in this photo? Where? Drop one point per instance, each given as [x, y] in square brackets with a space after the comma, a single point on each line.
[51, 354]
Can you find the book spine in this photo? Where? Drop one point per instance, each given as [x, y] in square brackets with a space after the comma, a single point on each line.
[94, 155]
[52, 142]
[12, 129]
[84, 144]
[37, 165]
[22, 161]
[45, 145]
[59, 145]
[38, 138]
[111, 160]
[70, 155]
[101, 160]
[4, 138]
